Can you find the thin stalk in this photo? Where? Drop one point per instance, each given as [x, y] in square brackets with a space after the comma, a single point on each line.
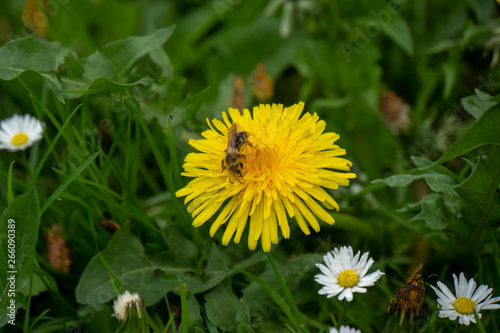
[287, 294]
[343, 313]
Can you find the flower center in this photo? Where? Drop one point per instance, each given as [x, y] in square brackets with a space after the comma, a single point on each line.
[464, 305]
[348, 278]
[19, 139]
[261, 163]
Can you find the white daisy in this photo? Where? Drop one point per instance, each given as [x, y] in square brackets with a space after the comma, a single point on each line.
[19, 132]
[344, 329]
[345, 273]
[466, 300]
[124, 302]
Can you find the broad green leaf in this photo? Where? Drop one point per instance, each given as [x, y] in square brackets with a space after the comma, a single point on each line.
[37, 286]
[215, 272]
[179, 113]
[479, 189]
[217, 260]
[98, 317]
[181, 249]
[483, 131]
[107, 69]
[74, 88]
[22, 217]
[221, 305]
[242, 320]
[433, 212]
[115, 59]
[479, 103]
[36, 57]
[139, 273]
[398, 30]
[255, 258]
[423, 163]
[194, 310]
[438, 182]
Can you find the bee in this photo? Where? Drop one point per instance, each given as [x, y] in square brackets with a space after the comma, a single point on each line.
[235, 141]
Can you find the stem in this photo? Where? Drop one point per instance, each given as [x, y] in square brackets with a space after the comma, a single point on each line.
[343, 314]
[479, 324]
[457, 328]
[288, 294]
[389, 325]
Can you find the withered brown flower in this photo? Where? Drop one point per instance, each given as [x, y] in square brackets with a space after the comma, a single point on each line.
[57, 253]
[411, 298]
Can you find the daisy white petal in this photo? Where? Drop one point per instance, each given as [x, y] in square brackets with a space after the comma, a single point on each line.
[481, 293]
[345, 273]
[19, 132]
[344, 329]
[466, 299]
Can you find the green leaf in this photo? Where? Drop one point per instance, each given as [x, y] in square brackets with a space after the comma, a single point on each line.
[437, 182]
[181, 248]
[139, 273]
[433, 212]
[398, 30]
[193, 310]
[36, 57]
[479, 189]
[108, 69]
[477, 104]
[22, 216]
[115, 59]
[221, 305]
[76, 88]
[483, 131]
[180, 113]
[102, 317]
[216, 271]
[242, 318]
[37, 286]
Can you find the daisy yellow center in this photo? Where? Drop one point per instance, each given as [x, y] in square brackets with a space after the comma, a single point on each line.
[19, 139]
[348, 278]
[464, 305]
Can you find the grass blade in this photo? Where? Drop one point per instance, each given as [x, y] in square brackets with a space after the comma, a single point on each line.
[51, 147]
[10, 193]
[275, 296]
[184, 308]
[68, 181]
[288, 294]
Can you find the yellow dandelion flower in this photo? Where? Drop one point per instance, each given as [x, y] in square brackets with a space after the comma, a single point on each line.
[281, 166]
